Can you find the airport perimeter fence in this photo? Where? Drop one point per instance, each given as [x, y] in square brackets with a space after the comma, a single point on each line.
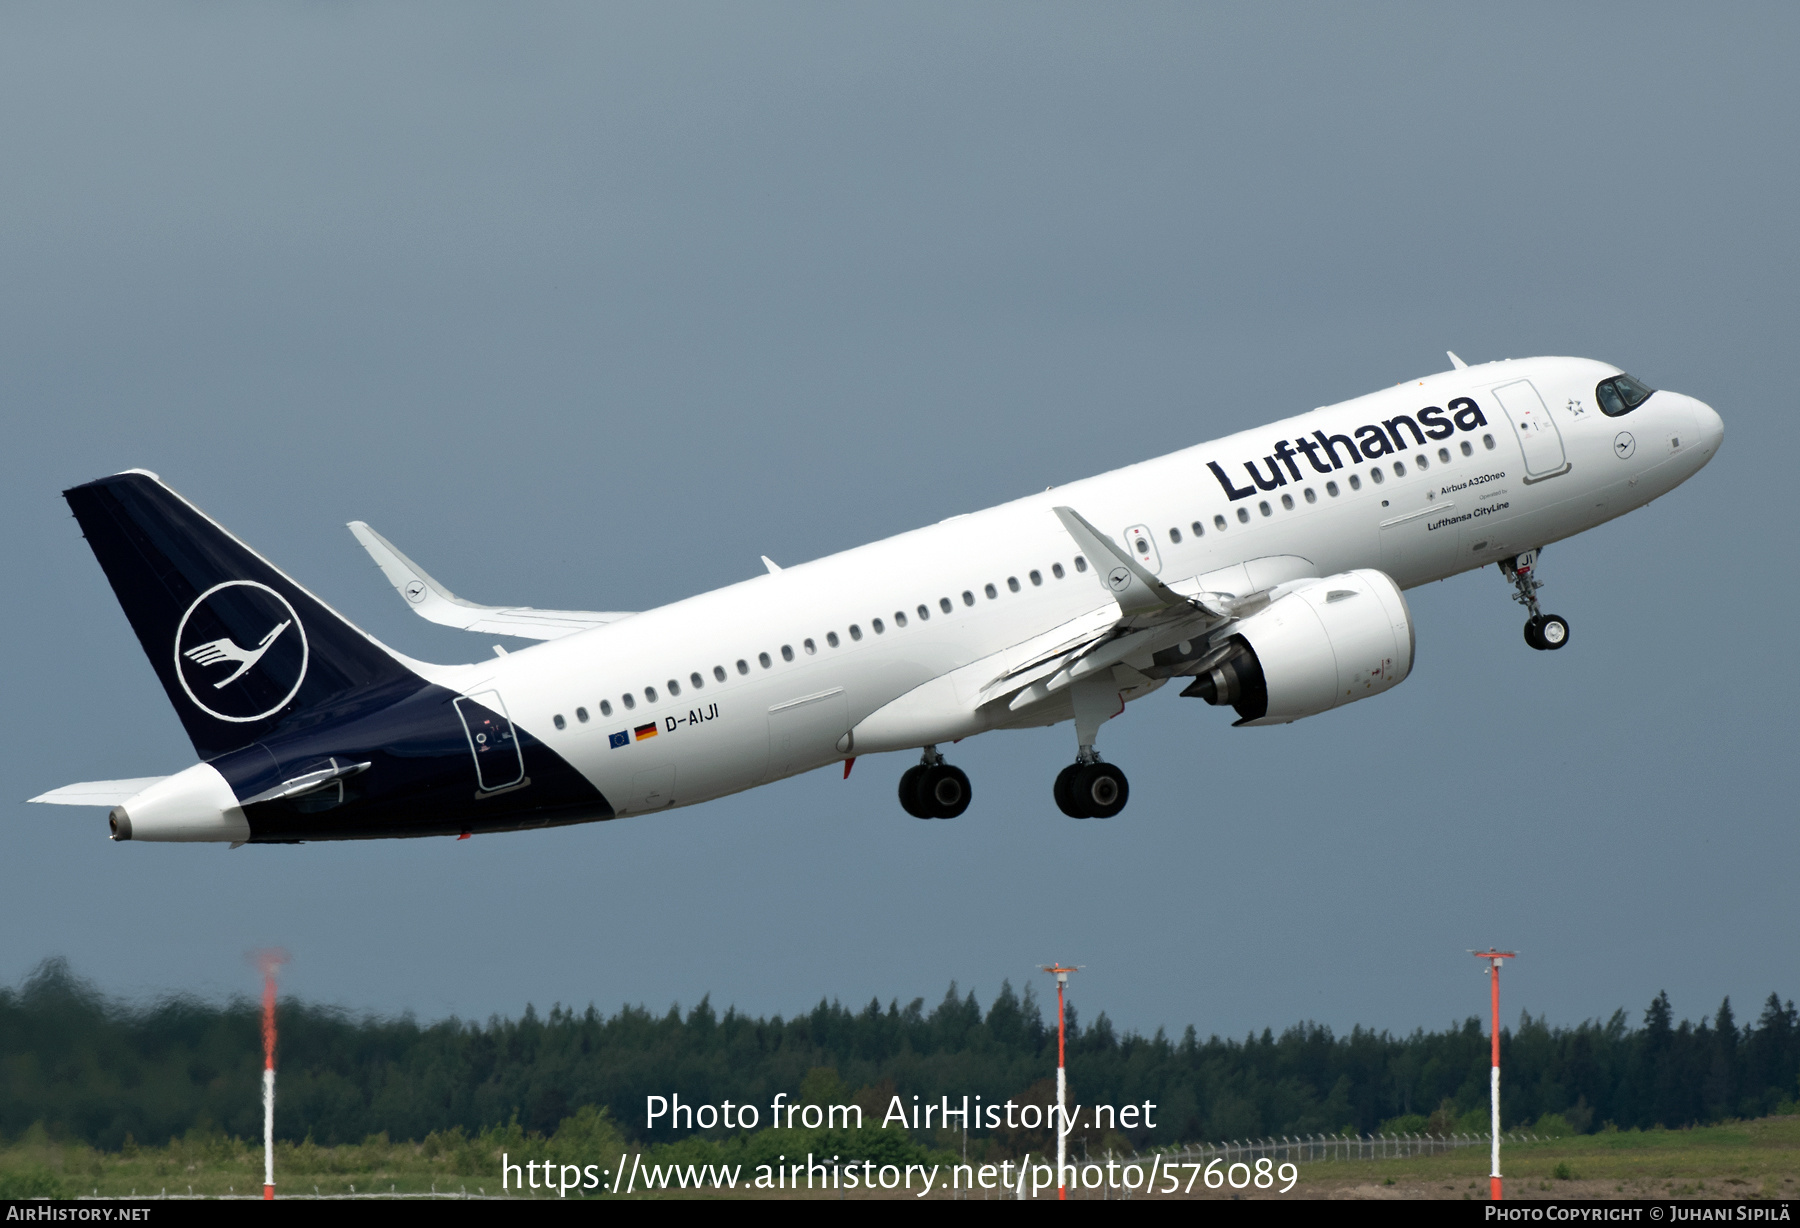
[1306, 1148]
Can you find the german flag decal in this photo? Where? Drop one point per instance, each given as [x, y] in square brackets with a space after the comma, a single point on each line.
[645, 731]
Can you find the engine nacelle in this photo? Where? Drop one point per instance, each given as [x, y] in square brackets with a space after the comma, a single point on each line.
[1328, 643]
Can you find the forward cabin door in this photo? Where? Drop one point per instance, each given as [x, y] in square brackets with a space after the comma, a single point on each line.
[1537, 434]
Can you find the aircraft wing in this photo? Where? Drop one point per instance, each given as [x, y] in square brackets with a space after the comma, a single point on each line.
[98, 792]
[1151, 618]
[435, 603]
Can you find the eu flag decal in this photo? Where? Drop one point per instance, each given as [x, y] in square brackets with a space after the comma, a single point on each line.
[619, 739]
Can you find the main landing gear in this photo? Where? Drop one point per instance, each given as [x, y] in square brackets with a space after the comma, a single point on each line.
[1088, 788]
[1091, 790]
[1542, 631]
[932, 789]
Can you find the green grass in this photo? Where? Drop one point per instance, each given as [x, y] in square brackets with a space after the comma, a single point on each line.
[1740, 1158]
[1737, 1159]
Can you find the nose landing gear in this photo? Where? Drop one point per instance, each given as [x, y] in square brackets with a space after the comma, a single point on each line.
[1542, 631]
[932, 789]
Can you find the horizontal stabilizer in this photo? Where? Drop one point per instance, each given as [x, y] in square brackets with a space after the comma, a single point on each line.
[435, 603]
[98, 792]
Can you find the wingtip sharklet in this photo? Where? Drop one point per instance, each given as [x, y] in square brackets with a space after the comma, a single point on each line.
[433, 602]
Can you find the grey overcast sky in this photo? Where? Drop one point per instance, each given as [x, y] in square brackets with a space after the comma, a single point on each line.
[590, 305]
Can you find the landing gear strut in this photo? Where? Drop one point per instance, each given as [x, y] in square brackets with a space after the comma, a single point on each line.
[1542, 631]
[932, 789]
[1088, 788]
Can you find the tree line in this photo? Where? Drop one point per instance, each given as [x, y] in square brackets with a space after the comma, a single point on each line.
[85, 1067]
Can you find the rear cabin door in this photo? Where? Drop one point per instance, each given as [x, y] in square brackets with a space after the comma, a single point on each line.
[1537, 434]
[499, 764]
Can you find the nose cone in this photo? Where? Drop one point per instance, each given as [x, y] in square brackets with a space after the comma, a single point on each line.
[1711, 427]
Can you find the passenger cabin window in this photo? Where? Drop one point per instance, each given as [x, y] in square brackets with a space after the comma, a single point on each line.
[831, 638]
[1287, 502]
[558, 721]
[1312, 496]
[899, 618]
[855, 632]
[787, 652]
[1331, 489]
[674, 687]
[991, 591]
[1037, 579]
[1263, 507]
[944, 604]
[697, 680]
[1199, 529]
[1620, 395]
[1243, 515]
[924, 613]
[1444, 456]
[1355, 482]
[1468, 449]
[879, 626]
[1175, 536]
[650, 694]
[1487, 441]
[1012, 583]
[743, 666]
[811, 648]
[1377, 476]
[719, 672]
[630, 700]
[1056, 570]
[581, 715]
[1080, 563]
[606, 707]
[762, 659]
[1219, 523]
[1399, 469]
[968, 597]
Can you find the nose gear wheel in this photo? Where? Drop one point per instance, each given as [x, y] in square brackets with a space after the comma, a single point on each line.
[1542, 631]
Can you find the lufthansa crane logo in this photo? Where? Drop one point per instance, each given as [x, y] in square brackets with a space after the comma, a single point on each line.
[241, 651]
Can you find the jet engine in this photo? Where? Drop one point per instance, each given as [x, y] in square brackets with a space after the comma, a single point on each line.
[1327, 643]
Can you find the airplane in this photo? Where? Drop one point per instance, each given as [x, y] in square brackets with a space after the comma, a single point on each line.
[1264, 570]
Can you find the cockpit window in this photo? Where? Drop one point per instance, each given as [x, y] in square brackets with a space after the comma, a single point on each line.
[1620, 395]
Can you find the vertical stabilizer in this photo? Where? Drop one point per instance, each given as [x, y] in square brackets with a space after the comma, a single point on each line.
[240, 648]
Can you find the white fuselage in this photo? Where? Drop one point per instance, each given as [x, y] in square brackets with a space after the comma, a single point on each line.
[898, 678]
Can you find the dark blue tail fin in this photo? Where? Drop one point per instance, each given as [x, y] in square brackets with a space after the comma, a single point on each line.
[240, 648]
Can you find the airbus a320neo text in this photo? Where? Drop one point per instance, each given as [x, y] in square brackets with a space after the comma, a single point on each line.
[1263, 572]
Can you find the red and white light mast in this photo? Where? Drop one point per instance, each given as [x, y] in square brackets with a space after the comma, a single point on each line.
[268, 961]
[1062, 1080]
[1494, 957]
